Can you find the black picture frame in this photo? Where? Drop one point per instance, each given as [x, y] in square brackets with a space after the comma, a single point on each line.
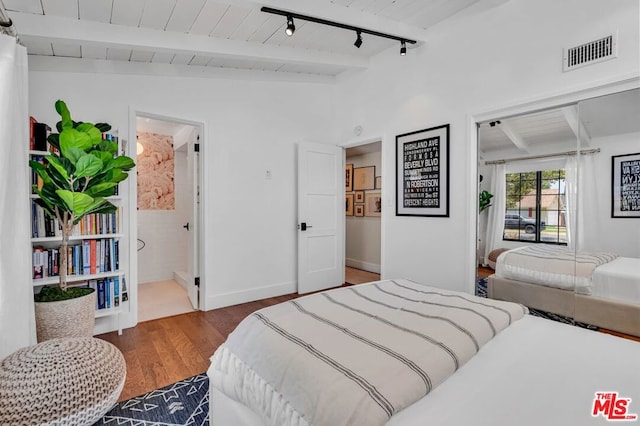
[422, 172]
[625, 186]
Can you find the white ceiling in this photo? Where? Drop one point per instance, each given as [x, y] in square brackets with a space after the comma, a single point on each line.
[557, 130]
[226, 34]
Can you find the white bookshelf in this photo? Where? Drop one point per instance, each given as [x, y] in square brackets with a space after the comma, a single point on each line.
[51, 242]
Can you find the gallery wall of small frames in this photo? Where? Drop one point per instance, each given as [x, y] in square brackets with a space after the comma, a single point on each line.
[362, 188]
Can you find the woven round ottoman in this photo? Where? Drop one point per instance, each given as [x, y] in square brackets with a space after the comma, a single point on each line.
[69, 381]
[493, 256]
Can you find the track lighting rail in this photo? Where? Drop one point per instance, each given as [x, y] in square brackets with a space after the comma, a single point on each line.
[295, 15]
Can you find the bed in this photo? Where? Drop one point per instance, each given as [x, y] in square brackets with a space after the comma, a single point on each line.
[512, 368]
[601, 289]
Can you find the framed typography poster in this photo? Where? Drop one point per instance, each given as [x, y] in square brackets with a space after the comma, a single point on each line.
[422, 172]
[625, 185]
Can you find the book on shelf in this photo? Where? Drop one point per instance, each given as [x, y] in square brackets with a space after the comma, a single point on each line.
[101, 294]
[38, 262]
[43, 225]
[116, 292]
[87, 257]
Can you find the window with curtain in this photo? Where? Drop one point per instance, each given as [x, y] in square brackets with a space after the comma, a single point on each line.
[535, 207]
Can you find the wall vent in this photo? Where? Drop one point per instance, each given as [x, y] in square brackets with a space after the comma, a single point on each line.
[592, 52]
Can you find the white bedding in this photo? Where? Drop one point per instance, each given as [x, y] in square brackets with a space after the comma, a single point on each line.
[602, 275]
[552, 266]
[354, 355]
[618, 279]
[536, 372]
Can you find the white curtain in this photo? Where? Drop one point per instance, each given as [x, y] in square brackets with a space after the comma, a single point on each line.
[17, 325]
[571, 199]
[495, 224]
[588, 235]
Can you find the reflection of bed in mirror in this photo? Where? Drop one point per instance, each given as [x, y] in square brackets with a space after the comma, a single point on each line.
[601, 289]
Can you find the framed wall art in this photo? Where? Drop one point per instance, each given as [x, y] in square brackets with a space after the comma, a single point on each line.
[359, 196]
[348, 204]
[378, 182]
[373, 204]
[422, 172]
[348, 174]
[364, 178]
[625, 186]
[359, 210]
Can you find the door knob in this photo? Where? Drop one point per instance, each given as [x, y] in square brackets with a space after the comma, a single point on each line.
[186, 226]
[303, 226]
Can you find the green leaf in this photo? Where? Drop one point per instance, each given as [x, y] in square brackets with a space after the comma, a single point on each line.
[73, 154]
[122, 162]
[102, 189]
[103, 127]
[77, 202]
[62, 109]
[104, 156]
[45, 202]
[108, 146]
[115, 175]
[57, 164]
[94, 134]
[54, 140]
[41, 170]
[73, 138]
[88, 165]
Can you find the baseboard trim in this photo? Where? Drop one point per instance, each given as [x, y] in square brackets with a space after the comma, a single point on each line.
[237, 297]
[181, 278]
[365, 266]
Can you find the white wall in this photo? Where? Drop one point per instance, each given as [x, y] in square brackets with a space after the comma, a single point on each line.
[601, 232]
[507, 56]
[249, 221]
[363, 233]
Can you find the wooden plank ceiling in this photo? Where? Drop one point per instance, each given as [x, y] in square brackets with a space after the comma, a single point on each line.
[225, 33]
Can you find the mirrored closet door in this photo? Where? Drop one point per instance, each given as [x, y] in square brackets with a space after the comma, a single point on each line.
[559, 211]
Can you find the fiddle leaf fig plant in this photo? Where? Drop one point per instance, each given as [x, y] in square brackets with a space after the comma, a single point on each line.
[78, 177]
[485, 200]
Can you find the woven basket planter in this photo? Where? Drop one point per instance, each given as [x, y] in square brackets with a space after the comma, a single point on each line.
[66, 318]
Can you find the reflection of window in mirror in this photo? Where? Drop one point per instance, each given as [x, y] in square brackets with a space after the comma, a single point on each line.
[564, 183]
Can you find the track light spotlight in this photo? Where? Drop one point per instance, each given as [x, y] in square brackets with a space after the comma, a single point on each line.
[403, 48]
[291, 28]
[358, 42]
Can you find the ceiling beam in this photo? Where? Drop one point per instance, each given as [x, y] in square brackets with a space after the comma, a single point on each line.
[93, 66]
[89, 33]
[578, 128]
[513, 136]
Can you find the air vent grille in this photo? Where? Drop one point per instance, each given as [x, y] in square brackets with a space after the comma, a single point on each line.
[590, 53]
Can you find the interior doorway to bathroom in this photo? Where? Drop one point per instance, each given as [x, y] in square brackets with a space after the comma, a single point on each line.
[167, 216]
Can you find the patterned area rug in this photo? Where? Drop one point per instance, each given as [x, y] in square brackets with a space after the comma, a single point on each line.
[481, 291]
[182, 403]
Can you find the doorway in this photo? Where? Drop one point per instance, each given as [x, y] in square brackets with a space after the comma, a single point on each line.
[363, 227]
[167, 216]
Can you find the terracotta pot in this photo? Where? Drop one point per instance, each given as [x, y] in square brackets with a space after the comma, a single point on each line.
[66, 318]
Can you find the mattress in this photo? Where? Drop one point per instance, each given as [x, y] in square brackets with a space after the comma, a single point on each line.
[552, 266]
[354, 355]
[534, 372]
[618, 280]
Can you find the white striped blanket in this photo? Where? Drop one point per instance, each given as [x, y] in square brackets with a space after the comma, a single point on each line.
[354, 355]
[552, 266]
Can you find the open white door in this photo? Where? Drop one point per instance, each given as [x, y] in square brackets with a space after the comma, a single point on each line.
[320, 217]
[193, 152]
